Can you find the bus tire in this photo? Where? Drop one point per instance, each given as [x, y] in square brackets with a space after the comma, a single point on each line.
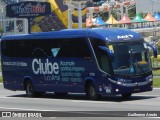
[29, 89]
[91, 92]
[126, 95]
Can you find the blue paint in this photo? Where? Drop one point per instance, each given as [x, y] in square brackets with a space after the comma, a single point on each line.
[102, 66]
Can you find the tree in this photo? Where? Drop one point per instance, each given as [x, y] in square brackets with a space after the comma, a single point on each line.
[132, 12]
[1, 31]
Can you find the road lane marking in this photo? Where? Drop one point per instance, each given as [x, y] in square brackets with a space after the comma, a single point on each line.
[145, 95]
[153, 117]
[73, 101]
[12, 108]
[82, 101]
[156, 88]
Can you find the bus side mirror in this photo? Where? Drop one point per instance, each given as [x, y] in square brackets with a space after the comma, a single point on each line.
[154, 49]
[107, 50]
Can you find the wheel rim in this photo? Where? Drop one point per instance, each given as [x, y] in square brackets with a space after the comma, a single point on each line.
[29, 89]
[92, 91]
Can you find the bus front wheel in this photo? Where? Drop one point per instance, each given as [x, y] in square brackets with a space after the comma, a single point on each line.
[91, 92]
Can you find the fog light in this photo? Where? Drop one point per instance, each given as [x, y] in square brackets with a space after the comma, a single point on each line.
[150, 80]
[108, 90]
[100, 88]
[117, 90]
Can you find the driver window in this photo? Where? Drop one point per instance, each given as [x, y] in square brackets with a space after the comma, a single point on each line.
[103, 61]
[102, 56]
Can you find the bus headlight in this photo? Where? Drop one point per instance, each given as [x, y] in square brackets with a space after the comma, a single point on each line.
[150, 80]
[117, 90]
[119, 83]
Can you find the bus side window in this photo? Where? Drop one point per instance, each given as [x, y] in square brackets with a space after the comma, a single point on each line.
[8, 48]
[103, 61]
[42, 48]
[38, 52]
[75, 48]
[102, 57]
[66, 50]
[21, 48]
[81, 48]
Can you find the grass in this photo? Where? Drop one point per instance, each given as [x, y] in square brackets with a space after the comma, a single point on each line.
[155, 62]
[156, 82]
[1, 79]
[156, 72]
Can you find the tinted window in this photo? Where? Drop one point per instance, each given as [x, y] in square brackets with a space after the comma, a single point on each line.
[8, 48]
[75, 47]
[23, 48]
[102, 57]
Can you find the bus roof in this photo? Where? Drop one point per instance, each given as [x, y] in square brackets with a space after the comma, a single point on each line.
[108, 34]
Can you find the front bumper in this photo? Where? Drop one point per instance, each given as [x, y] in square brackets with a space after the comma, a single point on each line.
[115, 87]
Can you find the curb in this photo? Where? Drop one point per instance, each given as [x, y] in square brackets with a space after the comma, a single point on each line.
[156, 76]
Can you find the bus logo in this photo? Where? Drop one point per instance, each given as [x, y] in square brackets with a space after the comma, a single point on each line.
[125, 37]
[44, 68]
[55, 51]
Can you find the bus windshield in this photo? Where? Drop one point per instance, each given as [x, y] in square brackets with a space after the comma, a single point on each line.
[130, 58]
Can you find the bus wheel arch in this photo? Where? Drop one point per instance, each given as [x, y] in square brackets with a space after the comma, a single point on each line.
[25, 80]
[29, 88]
[90, 90]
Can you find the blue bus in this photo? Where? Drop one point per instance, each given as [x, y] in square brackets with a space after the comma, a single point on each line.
[93, 61]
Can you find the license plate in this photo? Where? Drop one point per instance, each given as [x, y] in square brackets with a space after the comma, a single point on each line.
[136, 89]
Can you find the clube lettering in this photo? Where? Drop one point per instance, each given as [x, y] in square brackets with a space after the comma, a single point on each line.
[46, 67]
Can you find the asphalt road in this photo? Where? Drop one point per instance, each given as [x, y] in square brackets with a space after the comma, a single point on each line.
[17, 101]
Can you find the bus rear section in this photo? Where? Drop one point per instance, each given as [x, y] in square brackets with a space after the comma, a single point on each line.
[43, 64]
[96, 62]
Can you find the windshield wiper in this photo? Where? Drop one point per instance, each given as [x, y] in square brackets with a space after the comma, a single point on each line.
[139, 67]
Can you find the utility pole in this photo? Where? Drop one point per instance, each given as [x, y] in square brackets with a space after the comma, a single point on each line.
[153, 6]
[75, 4]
